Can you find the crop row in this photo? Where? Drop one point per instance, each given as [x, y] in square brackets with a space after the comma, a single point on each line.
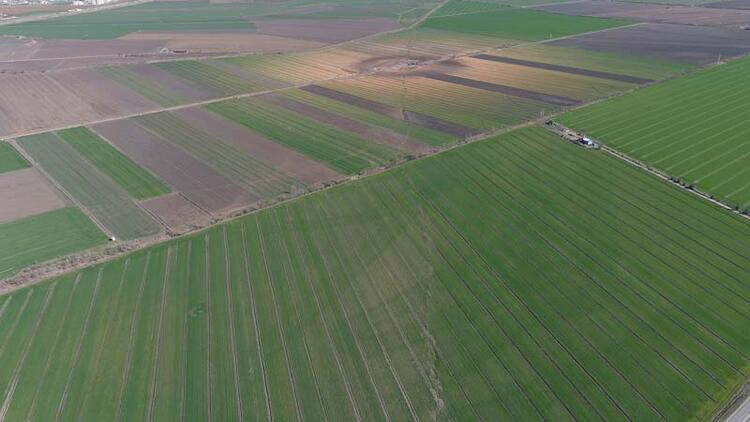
[573, 295]
[693, 129]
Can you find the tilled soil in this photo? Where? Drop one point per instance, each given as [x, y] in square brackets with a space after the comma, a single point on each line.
[176, 212]
[730, 4]
[26, 192]
[379, 135]
[290, 162]
[198, 182]
[685, 43]
[223, 42]
[106, 96]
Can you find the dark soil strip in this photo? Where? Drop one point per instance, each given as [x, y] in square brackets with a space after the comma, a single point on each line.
[729, 4]
[376, 134]
[420, 119]
[565, 69]
[502, 89]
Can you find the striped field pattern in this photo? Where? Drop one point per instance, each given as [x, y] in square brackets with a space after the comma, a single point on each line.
[580, 289]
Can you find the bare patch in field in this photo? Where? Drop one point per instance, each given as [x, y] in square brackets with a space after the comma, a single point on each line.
[375, 134]
[198, 182]
[106, 96]
[35, 101]
[325, 30]
[26, 192]
[652, 13]
[685, 43]
[176, 212]
[223, 42]
[290, 162]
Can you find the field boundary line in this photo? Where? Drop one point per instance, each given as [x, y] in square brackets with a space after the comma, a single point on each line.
[279, 324]
[184, 336]
[58, 335]
[77, 356]
[100, 348]
[10, 389]
[373, 328]
[324, 323]
[209, 334]
[345, 314]
[59, 187]
[571, 260]
[131, 338]
[258, 340]
[555, 251]
[153, 391]
[293, 299]
[233, 340]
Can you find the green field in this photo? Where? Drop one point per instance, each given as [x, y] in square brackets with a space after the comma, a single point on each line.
[107, 201]
[521, 24]
[694, 128]
[10, 159]
[343, 151]
[421, 133]
[152, 16]
[154, 91]
[463, 7]
[42, 237]
[221, 82]
[237, 166]
[631, 65]
[138, 182]
[516, 278]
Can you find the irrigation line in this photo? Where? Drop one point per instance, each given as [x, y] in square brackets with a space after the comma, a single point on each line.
[10, 389]
[521, 325]
[374, 330]
[79, 346]
[233, 334]
[279, 325]
[185, 331]
[153, 390]
[209, 336]
[583, 272]
[300, 323]
[131, 341]
[100, 348]
[329, 336]
[663, 297]
[617, 300]
[258, 340]
[362, 355]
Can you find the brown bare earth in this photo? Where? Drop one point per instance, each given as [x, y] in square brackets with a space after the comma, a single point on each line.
[106, 96]
[26, 192]
[223, 42]
[176, 212]
[687, 43]
[198, 182]
[652, 13]
[26, 9]
[502, 89]
[564, 69]
[325, 30]
[379, 135]
[35, 101]
[410, 116]
[290, 162]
